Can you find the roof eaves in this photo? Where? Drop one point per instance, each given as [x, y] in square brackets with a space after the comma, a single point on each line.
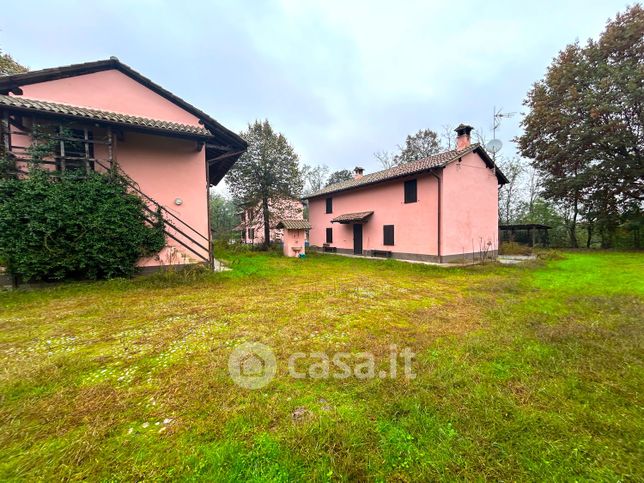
[57, 110]
[343, 186]
[374, 179]
[16, 80]
[489, 162]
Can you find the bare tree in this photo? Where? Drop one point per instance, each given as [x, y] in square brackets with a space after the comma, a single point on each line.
[419, 145]
[9, 66]
[480, 137]
[509, 194]
[533, 189]
[314, 177]
[447, 137]
[386, 159]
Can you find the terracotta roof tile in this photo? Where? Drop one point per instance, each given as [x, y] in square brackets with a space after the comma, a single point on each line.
[352, 217]
[100, 115]
[414, 167]
[294, 224]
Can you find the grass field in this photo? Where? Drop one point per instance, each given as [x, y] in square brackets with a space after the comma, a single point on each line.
[523, 372]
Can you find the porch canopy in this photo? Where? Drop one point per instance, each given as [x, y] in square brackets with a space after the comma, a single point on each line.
[347, 218]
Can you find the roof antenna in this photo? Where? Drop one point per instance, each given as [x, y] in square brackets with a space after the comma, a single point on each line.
[495, 145]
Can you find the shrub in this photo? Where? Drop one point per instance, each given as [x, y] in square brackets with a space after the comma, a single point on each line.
[89, 227]
[514, 248]
[225, 244]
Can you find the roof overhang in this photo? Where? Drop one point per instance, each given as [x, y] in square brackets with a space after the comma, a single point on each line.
[219, 163]
[347, 218]
[489, 162]
[294, 225]
[56, 116]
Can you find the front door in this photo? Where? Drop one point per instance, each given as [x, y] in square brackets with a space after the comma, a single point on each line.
[357, 239]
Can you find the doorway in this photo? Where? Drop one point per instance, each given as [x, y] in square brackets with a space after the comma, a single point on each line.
[357, 239]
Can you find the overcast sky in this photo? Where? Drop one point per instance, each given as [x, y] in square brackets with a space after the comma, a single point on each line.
[341, 79]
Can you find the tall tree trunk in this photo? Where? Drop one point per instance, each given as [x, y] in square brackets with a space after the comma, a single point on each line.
[636, 237]
[573, 223]
[267, 222]
[608, 235]
[602, 234]
[589, 230]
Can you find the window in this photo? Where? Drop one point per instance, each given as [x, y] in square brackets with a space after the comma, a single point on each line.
[388, 234]
[251, 234]
[329, 205]
[410, 191]
[329, 235]
[75, 150]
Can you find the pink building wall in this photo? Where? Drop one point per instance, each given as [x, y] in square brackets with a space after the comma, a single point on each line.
[294, 242]
[415, 223]
[110, 90]
[469, 214]
[165, 168]
[470, 207]
[253, 219]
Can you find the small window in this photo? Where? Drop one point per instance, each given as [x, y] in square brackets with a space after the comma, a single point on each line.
[329, 205]
[410, 191]
[251, 234]
[329, 235]
[76, 150]
[388, 234]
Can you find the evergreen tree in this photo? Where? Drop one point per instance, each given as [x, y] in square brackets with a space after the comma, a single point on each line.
[268, 169]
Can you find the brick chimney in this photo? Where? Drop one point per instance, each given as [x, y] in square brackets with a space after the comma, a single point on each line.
[463, 136]
[358, 172]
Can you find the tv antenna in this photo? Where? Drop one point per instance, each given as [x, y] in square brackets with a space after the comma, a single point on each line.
[495, 145]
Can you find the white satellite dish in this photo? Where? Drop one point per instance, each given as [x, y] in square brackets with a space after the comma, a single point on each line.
[494, 146]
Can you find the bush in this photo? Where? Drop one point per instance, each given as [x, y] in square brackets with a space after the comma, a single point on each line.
[225, 244]
[90, 227]
[514, 248]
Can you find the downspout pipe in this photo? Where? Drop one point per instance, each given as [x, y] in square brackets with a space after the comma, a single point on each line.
[439, 181]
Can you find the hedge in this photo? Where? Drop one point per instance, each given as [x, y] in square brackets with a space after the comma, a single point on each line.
[74, 227]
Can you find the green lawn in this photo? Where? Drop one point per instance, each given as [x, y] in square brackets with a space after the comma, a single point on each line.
[523, 372]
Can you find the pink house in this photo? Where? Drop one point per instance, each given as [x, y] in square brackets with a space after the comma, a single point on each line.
[109, 115]
[251, 224]
[442, 208]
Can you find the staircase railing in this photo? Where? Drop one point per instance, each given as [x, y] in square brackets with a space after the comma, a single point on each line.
[175, 228]
[176, 224]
